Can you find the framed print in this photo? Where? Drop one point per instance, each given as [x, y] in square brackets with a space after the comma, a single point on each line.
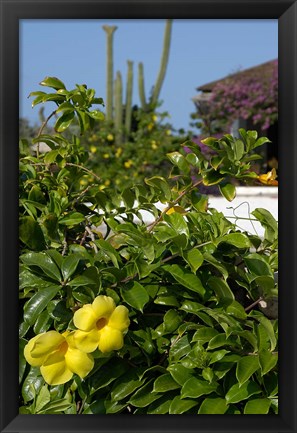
[125, 288]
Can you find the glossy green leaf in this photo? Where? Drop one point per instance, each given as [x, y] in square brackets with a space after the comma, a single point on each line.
[31, 234]
[228, 191]
[69, 265]
[257, 265]
[213, 406]
[42, 398]
[246, 366]
[22, 361]
[180, 161]
[195, 387]
[194, 258]
[161, 184]
[53, 82]
[268, 361]
[204, 334]
[64, 121]
[125, 385]
[239, 240]
[135, 295]
[257, 406]
[144, 396]
[44, 262]
[179, 406]
[43, 322]
[38, 302]
[108, 373]
[96, 114]
[72, 219]
[185, 278]
[165, 383]
[221, 288]
[238, 393]
[180, 373]
[180, 348]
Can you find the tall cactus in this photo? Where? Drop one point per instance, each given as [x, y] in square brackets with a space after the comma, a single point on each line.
[109, 71]
[128, 104]
[118, 104]
[164, 62]
[141, 89]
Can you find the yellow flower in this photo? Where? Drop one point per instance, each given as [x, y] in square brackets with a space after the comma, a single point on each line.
[83, 182]
[150, 126]
[155, 118]
[58, 357]
[118, 152]
[110, 137]
[168, 132]
[177, 209]
[100, 325]
[106, 155]
[154, 145]
[107, 182]
[93, 149]
[127, 164]
[269, 178]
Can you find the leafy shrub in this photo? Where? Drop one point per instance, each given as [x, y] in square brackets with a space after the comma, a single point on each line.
[198, 338]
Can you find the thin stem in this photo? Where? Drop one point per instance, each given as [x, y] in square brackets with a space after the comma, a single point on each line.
[172, 204]
[83, 168]
[250, 307]
[41, 129]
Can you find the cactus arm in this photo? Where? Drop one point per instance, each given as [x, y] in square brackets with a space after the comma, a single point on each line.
[141, 87]
[164, 63]
[129, 89]
[109, 70]
[118, 107]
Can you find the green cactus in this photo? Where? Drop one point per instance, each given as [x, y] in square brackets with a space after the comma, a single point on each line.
[109, 71]
[129, 90]
[164, 63]
[141, 87]
[118, 104]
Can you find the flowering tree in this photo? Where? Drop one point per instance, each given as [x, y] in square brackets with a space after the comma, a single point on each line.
[244, 95]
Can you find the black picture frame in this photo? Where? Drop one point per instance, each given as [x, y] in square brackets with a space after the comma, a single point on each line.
[286, 13]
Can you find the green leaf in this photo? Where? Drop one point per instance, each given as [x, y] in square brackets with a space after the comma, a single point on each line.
[165, 383]
[38, 303]
[180, 348]
[22, 361]
[108, 373]
[69, 265]
[32, 384]
[160, 183]
[269, 330]
[221, 288]
[204, 334]
[180, 373]
[238, 148]
[172, 320]
[260, 142]
[43, 323]
[195, 387]
[214, 262]
[213, 406]
[64, 121]
[257, 406]
[239, 392]
[185, 278]
[144, 396]
[257, 265]
[72, 219]
[53, 82]
[125, 385]
[162, 405]
[180, 161]
[31, 234]
[246, 366]
[267, 361]
[239, 240]
[269, 223]
[110, 251]
[96, 114]
[42, 398]
[177, 222]
[179, 406]
[135, 295]
[228, 191]
[194, 258]
[44, 262]
[212, 177]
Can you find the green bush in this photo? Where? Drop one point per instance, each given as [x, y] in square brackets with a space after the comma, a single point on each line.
[197, 339]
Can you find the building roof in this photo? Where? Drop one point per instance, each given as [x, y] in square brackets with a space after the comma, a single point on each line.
[264, 70]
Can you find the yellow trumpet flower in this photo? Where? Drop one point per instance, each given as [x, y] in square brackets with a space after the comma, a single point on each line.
[269, 178]
[58, 357]
[101, 325]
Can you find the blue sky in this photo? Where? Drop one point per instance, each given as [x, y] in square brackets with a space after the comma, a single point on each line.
[201, 51]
